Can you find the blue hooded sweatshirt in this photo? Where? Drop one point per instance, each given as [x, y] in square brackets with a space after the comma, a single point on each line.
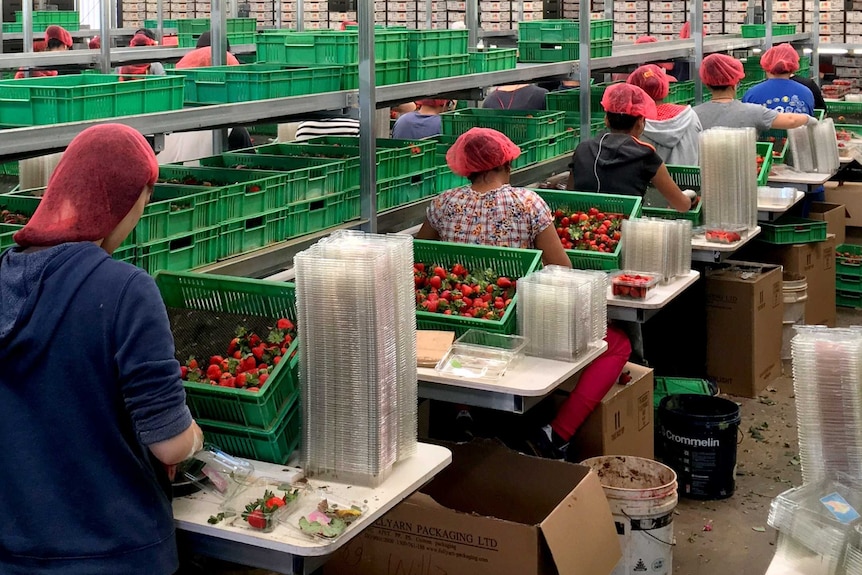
[88, 380]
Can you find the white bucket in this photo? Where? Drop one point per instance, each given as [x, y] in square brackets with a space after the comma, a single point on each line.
[642, 497]
[795, 292]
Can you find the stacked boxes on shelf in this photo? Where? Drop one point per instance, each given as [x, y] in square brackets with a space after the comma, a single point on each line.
[626, 13]
[853, 26]
[735, 14]
[849, 68]
[666, 18]
[496, 14]
[789, 12]
[831, 19]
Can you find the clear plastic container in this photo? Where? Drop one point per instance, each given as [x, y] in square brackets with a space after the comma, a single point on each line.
[775, 197]
[724, 234]
[481, 355]
[319, 515]
[217, 472]
[260, 505]
[632, 284]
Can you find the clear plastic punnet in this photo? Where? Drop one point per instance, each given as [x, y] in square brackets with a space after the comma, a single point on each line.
[728, 176]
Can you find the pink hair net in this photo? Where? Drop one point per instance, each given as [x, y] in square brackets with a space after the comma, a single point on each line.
[646, 40]
[95, 185]
[95, 43]
[58, 33]
[479, 150]
[685, 31]
[721, 70]
[630, 100]
[203, 58]
[142, 40]
[780, 59]
[653, 80]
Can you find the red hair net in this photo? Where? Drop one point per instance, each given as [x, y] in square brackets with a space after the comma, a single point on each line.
[36, 74]
[721, 70]
[57, 33]
[628, 99]
[479, 150]
[646, 40]
[652, 79]
[780, 59]
[40, 45]
[203, 58]
[95, 185]
[430, 102]
[142, 40]
[95, 43]
[685, 31]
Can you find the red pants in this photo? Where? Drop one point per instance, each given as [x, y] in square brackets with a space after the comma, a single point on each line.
[596, 379]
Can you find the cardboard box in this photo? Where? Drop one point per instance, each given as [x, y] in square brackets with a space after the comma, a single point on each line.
[744, 311]
[623, 423]
[851, 196]
[491, 512]
[834, 215]
[631, 17]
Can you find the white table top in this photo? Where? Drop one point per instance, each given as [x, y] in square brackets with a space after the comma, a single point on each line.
[529, 377]
[659, 296]
[191, 512]
[780, 209]
[699, 243]
[787, 175]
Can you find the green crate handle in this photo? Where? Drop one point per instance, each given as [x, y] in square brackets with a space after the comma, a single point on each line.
[843, 262]
[850, 279]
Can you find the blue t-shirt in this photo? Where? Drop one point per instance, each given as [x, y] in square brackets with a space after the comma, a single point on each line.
[89, 380]
[415, 126]
[782, 96]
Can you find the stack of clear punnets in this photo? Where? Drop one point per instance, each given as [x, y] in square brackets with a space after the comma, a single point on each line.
[820, 516]
[814, 148]
[358, 382]
[728, 177]
[827, 381]
[658, 246]
[853, 554]
[562, 312]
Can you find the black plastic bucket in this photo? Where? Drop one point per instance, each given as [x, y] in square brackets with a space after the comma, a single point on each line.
[698, 436]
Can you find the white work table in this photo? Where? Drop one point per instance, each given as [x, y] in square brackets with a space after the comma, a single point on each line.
[770, 212]
[805, 181]
[704, 251]
[286, 550]
[524, 384]
[640, 310]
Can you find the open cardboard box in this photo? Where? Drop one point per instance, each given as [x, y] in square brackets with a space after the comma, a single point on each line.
[492, 512]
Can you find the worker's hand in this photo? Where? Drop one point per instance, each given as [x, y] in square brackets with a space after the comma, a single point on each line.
[812, 121]
[691, 195]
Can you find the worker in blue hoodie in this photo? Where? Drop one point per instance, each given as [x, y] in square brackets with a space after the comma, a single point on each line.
[92, 409]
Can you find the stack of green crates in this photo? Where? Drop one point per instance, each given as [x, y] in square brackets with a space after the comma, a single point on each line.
[681, 93]
[848, 275]
[338, 48]
[752, 69]
[435, 54]
[569, 101]
[559, 40]
[20, 204]
[68, 19]
[759, 30]
[492, 59]
[153, 24]
[239, 31]
[262, 425]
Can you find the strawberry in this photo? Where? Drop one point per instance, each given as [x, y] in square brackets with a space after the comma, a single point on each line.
[257, 519]
[216, 360]
[276, 360]
[262, 379]
[214, 372]
[184, 372]
[284, 324]
[274, 502]
[192, 363]
[253, 388]
[504, 282]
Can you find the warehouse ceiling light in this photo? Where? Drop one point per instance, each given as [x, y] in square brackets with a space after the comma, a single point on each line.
[833, 51]
[807, 50]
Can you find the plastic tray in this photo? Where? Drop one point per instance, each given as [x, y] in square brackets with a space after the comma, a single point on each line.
[539, 52]
[519, 125]
[235, 504]
[68, 19]
[187, 40]
[166, 23]
[629, 206]
[628, 284]
[759, 30]
[329, 47]
[385, 73]
[433, 68]
[180, 253]
[511, 262]
[177, 210]
[314, 215]
[243, 408]
[253, 232]
[852, 284]
[58, 99]
[563, 30]
[402, 191]
[724, 234]
[492, 60]
[308, 503]
[436, 43]
[792, 230]
[483, 362]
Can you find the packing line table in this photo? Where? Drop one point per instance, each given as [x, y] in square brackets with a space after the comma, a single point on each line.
[704, 251]
[524, 384]
[768, 212]
[807, 182]
[285, 550]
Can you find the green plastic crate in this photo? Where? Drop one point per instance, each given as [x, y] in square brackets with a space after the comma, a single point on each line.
[492, 60]
[13, 27]
[569, 101]
[153, 24]
[835, 109]
[200, 25]
[848, 299]
[315, 215]
[22, 204]
[848, 260]
[665, 386]
[385, 74]
[6, 233]
[680, 92]
[180, 253]
[234, 39]
[543, 52]
[686, 177]
[759, 30]
[547, 31]
[328, 47]
[58, 99]
[764, 149]
[433, 68]
[519, 125]
[177, 210]
[403, 191]
[351, 208]
[126, 253]
[229, 84]
[252, 232]
[446, 178]
[791, 230]
[243, 193]
[68, 19]
[436, 43]
[852, 284]
[559, 145]
[306, 177]
[629, 206]
[510, 262]
[274, 446]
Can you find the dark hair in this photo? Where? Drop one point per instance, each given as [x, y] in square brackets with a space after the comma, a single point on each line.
[622, 122]
[205, 40]
[148, 33]
[478, 175]
[719, 87]
[53, 44]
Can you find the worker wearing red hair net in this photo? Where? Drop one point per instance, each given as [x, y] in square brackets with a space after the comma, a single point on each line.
[423, 122]
[721, 74]
[490, 211]
[617, 162]
[778, 91]
[91, 401]
[57, 39]
[141, 39]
